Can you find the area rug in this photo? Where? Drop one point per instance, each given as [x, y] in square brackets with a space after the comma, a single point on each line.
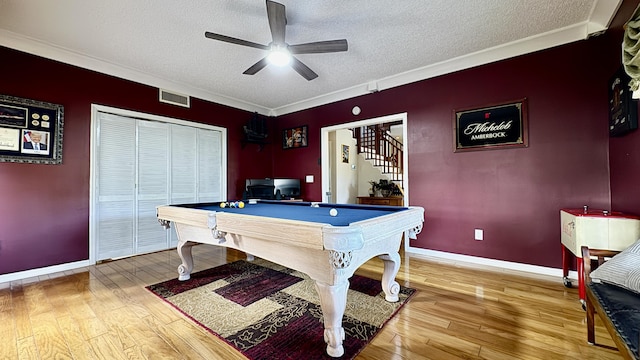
[267, 311]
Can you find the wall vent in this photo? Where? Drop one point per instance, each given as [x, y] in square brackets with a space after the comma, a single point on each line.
[174, 98]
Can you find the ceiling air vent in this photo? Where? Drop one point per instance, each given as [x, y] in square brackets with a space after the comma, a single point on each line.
[174, 98]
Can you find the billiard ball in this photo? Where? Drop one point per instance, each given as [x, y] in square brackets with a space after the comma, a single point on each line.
[241, 204]
[223, 204]
[333, 212]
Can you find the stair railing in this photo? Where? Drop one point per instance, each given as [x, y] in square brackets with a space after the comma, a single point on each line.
[382, 149]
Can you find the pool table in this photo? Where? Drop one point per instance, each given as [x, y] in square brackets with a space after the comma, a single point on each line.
[305, 237]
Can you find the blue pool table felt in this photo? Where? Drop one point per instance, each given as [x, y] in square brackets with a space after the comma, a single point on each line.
[303, 211]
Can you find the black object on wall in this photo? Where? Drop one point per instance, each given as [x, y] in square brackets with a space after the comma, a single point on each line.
[623, 109]
[255, 131]
[272, 189]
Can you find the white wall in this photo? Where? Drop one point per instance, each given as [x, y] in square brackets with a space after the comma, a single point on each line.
[366, 173]
[346, 189]
[353, 182]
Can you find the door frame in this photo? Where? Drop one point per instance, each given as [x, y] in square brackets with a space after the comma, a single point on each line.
[134, 115]
[325, 152]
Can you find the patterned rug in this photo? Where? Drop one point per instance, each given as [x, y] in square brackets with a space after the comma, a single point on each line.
[267, 311]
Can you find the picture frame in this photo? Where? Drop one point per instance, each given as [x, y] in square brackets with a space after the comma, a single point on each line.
[31, 131]
[496, 126]
[345, 154]
[295, 137]
[623, 109]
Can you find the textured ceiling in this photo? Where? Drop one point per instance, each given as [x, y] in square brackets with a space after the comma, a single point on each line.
[161, 42]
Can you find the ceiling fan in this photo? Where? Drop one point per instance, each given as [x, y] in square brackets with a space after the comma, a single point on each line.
[280, 52]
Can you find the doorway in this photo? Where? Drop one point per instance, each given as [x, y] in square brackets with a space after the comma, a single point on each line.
[328, 155]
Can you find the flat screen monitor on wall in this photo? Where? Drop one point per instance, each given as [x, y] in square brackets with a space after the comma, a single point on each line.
[260, 192]
[272, 189]
[288, 188]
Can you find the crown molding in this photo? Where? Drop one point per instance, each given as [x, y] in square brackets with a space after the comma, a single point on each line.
[601, 16]
[528, 45]
[39, 48]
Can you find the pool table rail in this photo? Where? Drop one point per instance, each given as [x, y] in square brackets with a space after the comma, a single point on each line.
[288, 232]
[311, 235]
[328, 254]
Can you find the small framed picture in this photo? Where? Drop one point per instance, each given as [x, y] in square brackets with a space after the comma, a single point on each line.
[295, 137]
[345, 154]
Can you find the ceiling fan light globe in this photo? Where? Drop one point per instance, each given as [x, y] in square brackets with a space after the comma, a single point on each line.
[279, 57]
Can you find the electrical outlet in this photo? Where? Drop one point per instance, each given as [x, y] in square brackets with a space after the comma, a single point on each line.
[479, 234]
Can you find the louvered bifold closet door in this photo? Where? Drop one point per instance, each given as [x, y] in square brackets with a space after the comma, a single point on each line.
[210, 166]
[115, 186]
[140, 163]
[183, 168]
[152, 185]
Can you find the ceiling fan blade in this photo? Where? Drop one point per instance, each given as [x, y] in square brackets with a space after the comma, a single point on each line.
[277, 21]
[302, 69]
[319, 47]
[232, 40]
[256, 67]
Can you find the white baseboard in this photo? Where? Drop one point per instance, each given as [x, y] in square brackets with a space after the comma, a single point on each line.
[20, 275]
[508, 265]
[534, 269]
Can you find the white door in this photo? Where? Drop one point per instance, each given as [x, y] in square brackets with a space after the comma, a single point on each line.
[152, 184]
[209, 166]
[183, 164]
[140, 161]
[115, 186]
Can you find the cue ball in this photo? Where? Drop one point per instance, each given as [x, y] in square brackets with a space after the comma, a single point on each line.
[333, 212]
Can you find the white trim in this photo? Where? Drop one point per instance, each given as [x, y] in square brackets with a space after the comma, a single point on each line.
[487, 56]
[95, 109]
[44, 271]
[324, 148]
[602, 13]
[539, 270]
[507, 265]
[36, 47]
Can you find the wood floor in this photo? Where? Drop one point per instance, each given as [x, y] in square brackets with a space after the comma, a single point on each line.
[459, 312]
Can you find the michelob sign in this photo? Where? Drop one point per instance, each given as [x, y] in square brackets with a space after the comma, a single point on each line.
[491, 127]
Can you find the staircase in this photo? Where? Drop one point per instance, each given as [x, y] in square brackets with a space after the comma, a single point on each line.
[382, 150]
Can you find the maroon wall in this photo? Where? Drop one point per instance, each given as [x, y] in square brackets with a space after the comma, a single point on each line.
[514, 195]
[625, 171]
[44, 209]
[624, 153]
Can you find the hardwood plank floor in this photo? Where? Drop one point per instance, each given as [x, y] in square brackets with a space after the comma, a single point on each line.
[461, 311]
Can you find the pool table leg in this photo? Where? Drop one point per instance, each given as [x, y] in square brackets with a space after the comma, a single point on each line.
[184, 251]
[389, 284]
[333, 301]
